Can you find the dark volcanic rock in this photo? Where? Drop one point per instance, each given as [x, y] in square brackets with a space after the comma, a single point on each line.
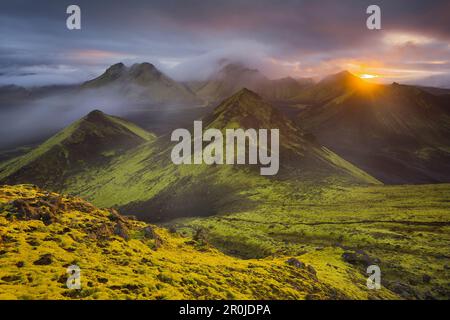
[295, 263]
[44, 260]
[426, 278]
[402, 289]
[359, 258]
[121, 230]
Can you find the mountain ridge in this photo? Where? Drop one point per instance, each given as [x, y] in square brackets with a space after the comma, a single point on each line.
[87, 142]
[384, 129]
[147, 183]
[235, 76]
[144, 83]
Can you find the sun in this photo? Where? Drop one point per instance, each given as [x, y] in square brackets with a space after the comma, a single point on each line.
[368, 76]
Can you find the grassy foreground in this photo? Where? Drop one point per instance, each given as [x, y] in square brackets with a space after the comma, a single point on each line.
[43, 233]
[403, 229]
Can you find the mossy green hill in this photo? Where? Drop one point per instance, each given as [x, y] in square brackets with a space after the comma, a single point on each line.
[88, 143]
[145, 182]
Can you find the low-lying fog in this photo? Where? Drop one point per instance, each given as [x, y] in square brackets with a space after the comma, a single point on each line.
[34, 119]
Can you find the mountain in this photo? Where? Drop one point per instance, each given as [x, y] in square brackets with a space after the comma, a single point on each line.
[112, 163]
[145, 182]
[144, 83]
[89, 142]
[234, 76]
[229, 80]
[300, 154]
[330, 87]
[121, 258]
[284, 89]
[398, 134]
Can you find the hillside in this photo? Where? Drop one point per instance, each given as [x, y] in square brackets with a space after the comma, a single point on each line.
[405, 230]
[103, 162]
[145, 182]
[330, 87]
[43, 233]
[300, 155]
[144, 83]
[87, 143]
[398, 134]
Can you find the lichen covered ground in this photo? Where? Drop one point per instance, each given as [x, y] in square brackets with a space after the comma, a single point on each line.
[42, 233]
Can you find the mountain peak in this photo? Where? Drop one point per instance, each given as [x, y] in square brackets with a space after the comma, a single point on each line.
[153, 86]
[230, 79]
[95, 115]
[141, 71]
[245, 98]
[144, 66]
[85, 144]
[237, 68]
[144, 72]
[345, 73]
[113, 73]
[246, 109]
[244, 92]
[344, 76]
[116, 69]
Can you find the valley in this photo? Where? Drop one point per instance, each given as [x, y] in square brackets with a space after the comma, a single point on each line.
[404, 229]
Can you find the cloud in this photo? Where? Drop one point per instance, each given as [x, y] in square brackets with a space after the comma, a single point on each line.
[38, 118]
[186, 38]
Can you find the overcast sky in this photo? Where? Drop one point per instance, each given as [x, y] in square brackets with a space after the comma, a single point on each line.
[187, 38]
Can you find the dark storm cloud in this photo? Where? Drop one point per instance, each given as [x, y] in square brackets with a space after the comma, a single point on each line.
[309, 35]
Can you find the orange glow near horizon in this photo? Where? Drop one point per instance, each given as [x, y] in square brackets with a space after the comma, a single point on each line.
[368, 76]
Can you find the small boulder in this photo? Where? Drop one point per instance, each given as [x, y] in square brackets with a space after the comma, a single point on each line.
[102, 280]
[121, 230]
[149, 233]
[115, 216]
[295, 263]
[44, 260]
[426, 278]
[360, 258]
[402, 289]
[12, 278]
